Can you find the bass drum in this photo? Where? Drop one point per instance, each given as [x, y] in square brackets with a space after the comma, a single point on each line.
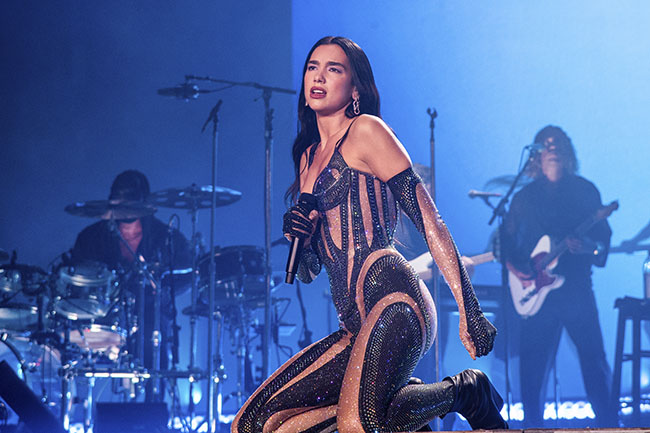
[42, 364]
[239, 275]
[85, 291]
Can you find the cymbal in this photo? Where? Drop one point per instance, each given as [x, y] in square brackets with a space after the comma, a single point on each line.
[111, 209]
[193, 197]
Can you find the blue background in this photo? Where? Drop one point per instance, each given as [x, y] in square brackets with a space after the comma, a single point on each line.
[79, 80]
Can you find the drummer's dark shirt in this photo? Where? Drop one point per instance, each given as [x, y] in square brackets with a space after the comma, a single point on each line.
[98, 243]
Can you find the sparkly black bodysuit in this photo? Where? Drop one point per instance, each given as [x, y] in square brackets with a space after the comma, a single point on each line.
[357, 379]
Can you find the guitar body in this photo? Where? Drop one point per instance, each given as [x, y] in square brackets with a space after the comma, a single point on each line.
[528, 296]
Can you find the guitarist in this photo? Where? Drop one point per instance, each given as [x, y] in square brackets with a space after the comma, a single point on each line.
[555, 203]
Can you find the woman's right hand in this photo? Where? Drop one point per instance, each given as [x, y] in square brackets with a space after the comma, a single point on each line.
[477, 334]
[298, 222]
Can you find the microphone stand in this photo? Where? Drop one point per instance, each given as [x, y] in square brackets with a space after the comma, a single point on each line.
[268, 153]
[267, 91]
[434, 270]
[499, 211]
[214, 118]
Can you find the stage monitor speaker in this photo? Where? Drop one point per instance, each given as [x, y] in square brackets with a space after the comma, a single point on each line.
[32, 412]
[131, 417]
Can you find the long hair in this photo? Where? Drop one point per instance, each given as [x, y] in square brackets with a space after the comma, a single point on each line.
[362, 78]
[564, 148]
[130, 185]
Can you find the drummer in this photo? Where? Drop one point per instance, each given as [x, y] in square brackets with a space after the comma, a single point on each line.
[149, 238]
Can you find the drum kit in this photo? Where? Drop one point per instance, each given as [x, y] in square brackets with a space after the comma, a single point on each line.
[81, 320]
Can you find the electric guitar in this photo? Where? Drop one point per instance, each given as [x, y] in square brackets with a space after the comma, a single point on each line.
[529, 294]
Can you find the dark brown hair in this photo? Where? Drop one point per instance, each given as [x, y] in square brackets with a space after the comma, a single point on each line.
[130, 185]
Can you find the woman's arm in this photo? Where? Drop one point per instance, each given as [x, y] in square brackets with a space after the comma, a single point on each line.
[387, 159]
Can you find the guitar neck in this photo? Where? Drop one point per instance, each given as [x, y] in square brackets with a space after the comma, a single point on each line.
[563, 246]
[580, 231]
[479, 259]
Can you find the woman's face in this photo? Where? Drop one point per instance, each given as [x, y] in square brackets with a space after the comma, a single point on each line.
[328, 80]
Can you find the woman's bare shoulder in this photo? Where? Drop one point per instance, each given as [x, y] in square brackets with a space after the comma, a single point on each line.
[376, 147]
[369, 124]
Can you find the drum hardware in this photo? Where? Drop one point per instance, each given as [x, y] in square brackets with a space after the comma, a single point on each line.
[81, 345]
[18, 317]
[136, 375]
[239, 275]
[192, 199]
[102, 339]
[85, 291]
[4, 338]
[175, 340]
[16, 278]
[66, 378]
[267, 92]
[94, 341]
[146, 278]
[82, 294]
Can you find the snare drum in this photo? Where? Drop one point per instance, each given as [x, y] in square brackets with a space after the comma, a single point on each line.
[85, 291]
[96, 338]
[239, 275]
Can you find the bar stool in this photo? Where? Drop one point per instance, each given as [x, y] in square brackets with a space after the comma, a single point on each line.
[636, 310]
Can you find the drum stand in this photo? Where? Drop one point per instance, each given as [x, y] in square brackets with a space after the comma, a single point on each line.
[195, 296]
[66, 378]
[239, 329]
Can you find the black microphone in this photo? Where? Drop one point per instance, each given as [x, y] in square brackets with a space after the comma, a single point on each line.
[535, 148]
[474, 193]
[185, 91]
[308, 201]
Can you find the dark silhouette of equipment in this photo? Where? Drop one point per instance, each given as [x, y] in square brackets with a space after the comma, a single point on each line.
[32, 412]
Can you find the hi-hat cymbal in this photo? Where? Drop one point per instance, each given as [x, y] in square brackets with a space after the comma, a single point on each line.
[111, 209]
[193, 197]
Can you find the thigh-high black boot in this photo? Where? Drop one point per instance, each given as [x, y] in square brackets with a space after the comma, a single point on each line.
[477, 400]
